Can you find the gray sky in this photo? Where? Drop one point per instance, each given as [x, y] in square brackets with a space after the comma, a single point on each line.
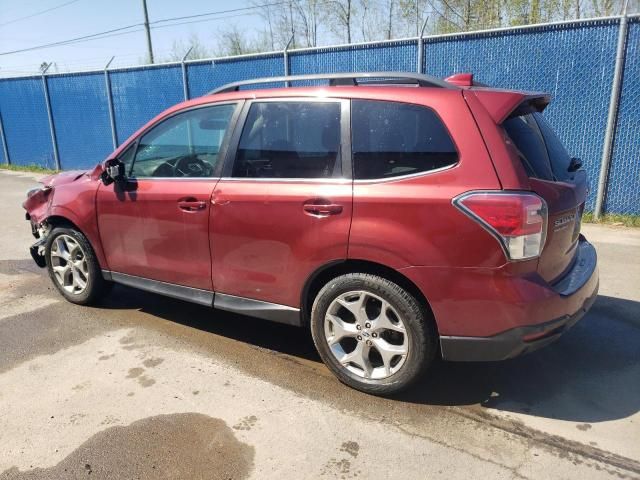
[84, 17]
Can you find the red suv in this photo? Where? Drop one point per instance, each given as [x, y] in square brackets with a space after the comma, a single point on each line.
[396, 215]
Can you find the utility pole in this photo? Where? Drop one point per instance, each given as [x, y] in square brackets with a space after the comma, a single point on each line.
[148, 30]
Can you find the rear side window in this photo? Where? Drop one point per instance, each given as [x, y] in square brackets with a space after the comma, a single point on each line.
[390, 139]
[290, 140]
[540, 150]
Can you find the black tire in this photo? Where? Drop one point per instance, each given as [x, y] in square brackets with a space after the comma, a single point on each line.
[418, 325]
[96, 285]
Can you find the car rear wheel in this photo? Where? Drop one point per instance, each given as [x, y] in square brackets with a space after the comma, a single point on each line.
[73, 267]
[374, 335]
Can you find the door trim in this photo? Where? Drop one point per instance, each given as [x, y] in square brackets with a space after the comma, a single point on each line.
[190, 294]
[257, 308]
[230, 303]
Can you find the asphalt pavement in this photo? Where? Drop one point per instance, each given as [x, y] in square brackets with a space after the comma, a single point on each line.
[149, 387]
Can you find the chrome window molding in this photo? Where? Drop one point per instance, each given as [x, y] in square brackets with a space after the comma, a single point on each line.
[404, 177]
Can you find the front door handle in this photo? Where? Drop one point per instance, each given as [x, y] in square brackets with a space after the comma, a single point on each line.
[191, 205]
[322, 209]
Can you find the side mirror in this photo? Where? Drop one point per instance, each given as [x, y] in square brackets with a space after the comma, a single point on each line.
[114, 171]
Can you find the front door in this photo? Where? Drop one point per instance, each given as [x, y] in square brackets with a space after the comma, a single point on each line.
[157, 225]
[283, 206]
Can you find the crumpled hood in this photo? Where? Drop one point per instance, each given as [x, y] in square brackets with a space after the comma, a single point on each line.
[62, 178]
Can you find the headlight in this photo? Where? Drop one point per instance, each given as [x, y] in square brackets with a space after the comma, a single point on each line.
[32, 191]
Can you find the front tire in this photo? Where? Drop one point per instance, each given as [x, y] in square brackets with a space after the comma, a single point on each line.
[372, 334]
[73, 267]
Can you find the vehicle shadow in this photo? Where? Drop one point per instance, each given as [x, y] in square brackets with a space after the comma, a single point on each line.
[590, 375]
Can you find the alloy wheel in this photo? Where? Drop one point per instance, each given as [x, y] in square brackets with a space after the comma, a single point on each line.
[366, 335]
[69, 264]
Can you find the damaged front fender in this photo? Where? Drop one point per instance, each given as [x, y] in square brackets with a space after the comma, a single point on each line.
[41, 232]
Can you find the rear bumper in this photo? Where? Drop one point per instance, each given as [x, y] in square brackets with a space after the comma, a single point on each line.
[511, 343]
[580, 285]
[496, 314]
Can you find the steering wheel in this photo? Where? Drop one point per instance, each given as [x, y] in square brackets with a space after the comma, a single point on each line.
[192, 166]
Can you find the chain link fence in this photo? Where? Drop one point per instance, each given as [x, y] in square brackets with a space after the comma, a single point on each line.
[574, 61]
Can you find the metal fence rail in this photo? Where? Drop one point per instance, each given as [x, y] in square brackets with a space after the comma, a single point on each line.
[76, 119]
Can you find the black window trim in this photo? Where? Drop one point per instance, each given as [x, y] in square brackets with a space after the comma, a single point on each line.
[408, 175]
[224, 146]
[345, 141]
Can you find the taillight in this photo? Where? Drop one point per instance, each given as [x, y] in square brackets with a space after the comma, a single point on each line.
[517, 220]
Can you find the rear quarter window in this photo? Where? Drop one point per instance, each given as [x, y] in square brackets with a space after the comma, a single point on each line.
[542, 153]
[391, 139]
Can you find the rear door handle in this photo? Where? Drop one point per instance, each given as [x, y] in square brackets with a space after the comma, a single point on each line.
[322, 210]
[191, 205]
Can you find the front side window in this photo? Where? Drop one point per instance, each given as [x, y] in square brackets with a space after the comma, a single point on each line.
[184, 145]
[290, 140]
[391, 139]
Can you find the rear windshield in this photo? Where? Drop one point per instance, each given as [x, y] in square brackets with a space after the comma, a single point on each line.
[540, 150]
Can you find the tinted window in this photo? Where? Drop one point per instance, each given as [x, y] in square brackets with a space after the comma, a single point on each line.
[184, 145]
[290, 140]
[390, 139]
[127, 157]
[558, 155]
[527, 138]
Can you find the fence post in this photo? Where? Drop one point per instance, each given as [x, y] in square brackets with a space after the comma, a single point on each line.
[285, 55]
[52, 129]
[5, 148]
[185, 80]
[421, 47]
[612, 118]
[112, 118]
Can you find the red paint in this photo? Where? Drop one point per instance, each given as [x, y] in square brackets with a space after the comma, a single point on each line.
[461, 79]
[146, 232]
[264, 239]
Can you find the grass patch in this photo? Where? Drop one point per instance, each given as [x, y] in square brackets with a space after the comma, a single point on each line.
[613, 219]
[26, 168]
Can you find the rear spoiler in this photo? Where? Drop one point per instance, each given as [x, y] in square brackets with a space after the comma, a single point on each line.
[502, 104]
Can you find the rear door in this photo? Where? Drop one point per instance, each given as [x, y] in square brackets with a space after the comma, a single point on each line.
[549, 166]
[283, 206]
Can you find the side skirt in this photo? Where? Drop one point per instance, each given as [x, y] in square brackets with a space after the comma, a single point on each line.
[257, 308]
[230, 303]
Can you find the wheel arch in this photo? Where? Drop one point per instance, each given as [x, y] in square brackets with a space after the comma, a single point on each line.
[331, 270]
[61, 218]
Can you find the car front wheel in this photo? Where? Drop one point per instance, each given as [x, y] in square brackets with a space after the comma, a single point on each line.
[374, 335]
[73, 267]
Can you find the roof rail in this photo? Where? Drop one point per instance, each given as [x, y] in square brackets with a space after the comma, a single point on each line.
[336, 79]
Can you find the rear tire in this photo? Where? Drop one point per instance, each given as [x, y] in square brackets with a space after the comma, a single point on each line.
[372, 334]
[73, 267]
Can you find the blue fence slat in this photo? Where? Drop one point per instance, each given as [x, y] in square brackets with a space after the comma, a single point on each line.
[234, 70]
[398, 56]
[24, 117]
[623, 194]
[199, 78]
[83, 134]
[141, 94]
[574, 64]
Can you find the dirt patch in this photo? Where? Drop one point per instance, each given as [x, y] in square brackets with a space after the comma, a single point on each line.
[152, 362]
[186, 445]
